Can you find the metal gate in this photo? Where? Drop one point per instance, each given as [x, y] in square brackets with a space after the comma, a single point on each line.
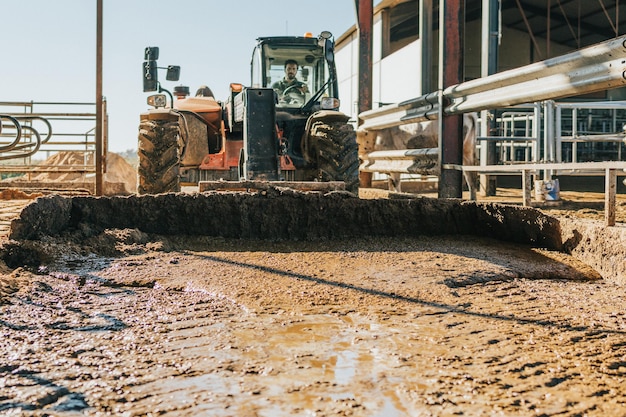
[50, 145]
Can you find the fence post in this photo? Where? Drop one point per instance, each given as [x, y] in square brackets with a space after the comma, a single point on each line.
[99, 112]
[451, 64]
[490, 39]
[365, 16]
[610, 196]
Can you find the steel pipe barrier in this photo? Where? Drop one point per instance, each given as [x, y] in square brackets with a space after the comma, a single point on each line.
[598, 67]
[30, 118]
[412, 161]
[15, 124]
[26, 149]
[22, 145]
[418, 109]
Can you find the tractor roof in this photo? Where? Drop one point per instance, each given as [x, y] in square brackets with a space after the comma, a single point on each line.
[288, 40]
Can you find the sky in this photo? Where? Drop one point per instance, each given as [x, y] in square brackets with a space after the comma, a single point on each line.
[50, 47]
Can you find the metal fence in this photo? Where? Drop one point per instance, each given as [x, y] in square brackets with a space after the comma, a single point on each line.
[581, 132]
[33, 133]
[596, 68]
[590, 131]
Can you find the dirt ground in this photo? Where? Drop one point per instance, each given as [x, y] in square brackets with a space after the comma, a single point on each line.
[130, 324]
[120, 178]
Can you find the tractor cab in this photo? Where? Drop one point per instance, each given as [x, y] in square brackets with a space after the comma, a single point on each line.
[315, 84]
[311, 62]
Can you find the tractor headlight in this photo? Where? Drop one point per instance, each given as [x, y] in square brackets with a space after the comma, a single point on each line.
[157, 100]
[329, 103]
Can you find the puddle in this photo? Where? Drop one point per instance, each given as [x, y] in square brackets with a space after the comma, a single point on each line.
[345, 366]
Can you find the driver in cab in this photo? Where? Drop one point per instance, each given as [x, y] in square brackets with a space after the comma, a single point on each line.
[290, 83]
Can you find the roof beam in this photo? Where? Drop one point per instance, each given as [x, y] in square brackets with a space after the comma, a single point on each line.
[559, 21]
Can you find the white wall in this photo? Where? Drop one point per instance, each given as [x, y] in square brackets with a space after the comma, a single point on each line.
[395, 78]
[400, 75]
[347, 60]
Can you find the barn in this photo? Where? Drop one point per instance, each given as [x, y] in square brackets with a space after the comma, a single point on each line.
[497, 36]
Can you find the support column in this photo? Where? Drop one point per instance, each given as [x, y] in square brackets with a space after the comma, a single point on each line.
[365, 17]
[99, 157]
[425, 33]
[451, 66]
[488, 66]
[527, 185]
[610, 191]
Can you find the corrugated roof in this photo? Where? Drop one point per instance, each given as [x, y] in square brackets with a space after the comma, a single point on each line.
[574, 23]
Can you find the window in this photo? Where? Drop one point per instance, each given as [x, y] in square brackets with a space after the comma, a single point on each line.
[257, 68]
[400, 26]
[312, 71]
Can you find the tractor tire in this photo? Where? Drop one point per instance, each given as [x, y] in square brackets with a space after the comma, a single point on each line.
[159, 157]
[336, 153]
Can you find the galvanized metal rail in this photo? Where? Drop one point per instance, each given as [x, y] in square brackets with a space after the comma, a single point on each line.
[15, 124]
[596, 68]
[409, 161]
[23, 148]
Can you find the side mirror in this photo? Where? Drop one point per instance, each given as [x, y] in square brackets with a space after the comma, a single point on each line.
[150, 78]
[329, 50]
[325, 35]
[173, 73]
[151, 53]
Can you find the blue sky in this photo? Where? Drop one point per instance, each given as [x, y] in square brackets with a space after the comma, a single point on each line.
[50, 47]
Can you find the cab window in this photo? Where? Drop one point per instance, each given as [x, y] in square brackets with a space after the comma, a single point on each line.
[311, 71]
[257, 68]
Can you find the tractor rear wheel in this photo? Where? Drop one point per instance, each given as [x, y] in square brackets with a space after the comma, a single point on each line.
[159, 157]
[337, 153]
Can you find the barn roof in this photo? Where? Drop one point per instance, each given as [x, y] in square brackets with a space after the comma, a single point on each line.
[573, 23]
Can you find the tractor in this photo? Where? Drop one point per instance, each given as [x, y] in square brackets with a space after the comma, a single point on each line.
[258, 134]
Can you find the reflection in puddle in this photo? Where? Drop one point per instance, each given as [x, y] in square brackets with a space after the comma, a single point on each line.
[330, 356]
[388, 410]
[345, 366]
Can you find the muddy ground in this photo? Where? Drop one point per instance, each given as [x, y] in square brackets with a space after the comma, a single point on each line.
[123, 322]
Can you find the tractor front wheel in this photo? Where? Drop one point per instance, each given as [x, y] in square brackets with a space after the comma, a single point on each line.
[337, 153]
[159, 157]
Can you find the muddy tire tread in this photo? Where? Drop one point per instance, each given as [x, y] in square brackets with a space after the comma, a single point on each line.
[336, 153]
[159, 157]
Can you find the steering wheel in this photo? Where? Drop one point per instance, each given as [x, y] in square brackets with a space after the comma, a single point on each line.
[293, 95]
[294, 87]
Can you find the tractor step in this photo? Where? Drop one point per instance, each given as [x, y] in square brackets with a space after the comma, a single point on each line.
[266, 185]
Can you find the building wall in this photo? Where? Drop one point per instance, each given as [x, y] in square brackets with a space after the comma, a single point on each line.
[347, 61]
[394, 78]
[397, 77]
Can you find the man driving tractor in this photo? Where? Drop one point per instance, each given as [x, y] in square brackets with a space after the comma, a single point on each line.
[290, 83]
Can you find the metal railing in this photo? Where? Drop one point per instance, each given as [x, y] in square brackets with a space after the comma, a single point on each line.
[598, 127]
[596, 68]
[560, 132]
[516, 135]
[33, 132]
[512, 142]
